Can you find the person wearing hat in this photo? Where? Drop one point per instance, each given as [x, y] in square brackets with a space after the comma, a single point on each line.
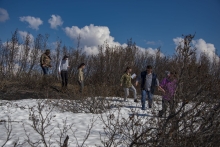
[45, 62]
[63, 68]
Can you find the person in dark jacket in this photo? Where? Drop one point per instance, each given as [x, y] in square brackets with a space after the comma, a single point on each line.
[148, 81]
[63, 68]
[45, 62]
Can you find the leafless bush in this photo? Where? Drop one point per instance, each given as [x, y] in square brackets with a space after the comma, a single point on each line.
[101, 75]
[95, 105]
[193, 119]
[41, 123]
[41, 117]
[64, 128]
[8, 128]
[88, 131]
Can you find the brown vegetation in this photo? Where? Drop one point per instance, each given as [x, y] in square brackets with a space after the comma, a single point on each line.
[198, 85]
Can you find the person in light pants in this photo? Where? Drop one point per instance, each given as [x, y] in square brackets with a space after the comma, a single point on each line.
[126, 90]
[127, 85]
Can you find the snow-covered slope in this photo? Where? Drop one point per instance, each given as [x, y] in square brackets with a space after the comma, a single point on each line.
[20, 115]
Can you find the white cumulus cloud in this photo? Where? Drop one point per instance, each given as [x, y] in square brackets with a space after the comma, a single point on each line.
[93, 50]
[93, 36]
[207, 48]
[150, 51]
[34, 22]
[23, 35]
[202, 47]
[178, 41]
[55, 21]
[3, 15]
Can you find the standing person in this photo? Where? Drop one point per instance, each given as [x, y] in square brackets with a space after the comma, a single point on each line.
[126, 83]
[168, 87]
[45, 62]
[63, 68]
[81, 76]
[148, 81]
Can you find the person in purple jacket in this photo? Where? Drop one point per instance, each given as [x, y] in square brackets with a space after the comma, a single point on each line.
[168, 87]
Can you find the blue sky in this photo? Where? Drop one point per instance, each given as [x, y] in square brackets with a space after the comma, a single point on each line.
[150, 23]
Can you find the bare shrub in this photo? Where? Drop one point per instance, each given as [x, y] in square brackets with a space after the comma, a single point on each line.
[41, 123]
[8, 128]
[193, 119]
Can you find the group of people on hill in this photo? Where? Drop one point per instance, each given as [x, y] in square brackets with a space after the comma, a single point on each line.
[148, 81]
[45, 62]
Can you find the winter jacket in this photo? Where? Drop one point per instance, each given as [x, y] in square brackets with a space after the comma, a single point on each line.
[80, 75]
[154, 82]
[169, 87]
[64, 64]
[45, 60]
[126, 80]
